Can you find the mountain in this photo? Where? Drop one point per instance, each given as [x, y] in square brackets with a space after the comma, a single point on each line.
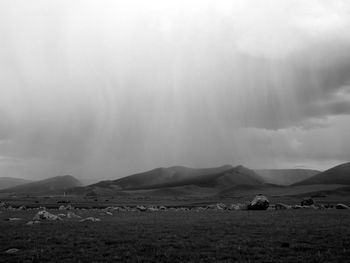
[223, 176]
[7, 182]
[53, 184]
[337, 175]
[285, 176]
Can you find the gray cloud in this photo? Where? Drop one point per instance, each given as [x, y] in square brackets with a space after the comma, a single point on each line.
[104, 91]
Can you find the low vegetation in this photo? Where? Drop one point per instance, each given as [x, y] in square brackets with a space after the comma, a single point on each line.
[179, 236]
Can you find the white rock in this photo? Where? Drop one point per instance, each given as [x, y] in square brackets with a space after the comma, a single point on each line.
[12, 251]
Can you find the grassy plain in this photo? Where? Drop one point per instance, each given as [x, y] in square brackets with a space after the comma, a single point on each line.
[180, 236]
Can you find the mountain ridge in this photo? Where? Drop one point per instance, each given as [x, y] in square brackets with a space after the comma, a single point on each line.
[339, 174]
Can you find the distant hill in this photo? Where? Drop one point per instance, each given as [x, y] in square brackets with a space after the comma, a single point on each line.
[53, 184]
[7, 182]
[285, 176]
[179, 176]
[174, 181]
[337, 175]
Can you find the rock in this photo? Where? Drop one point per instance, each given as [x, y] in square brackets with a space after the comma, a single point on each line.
[141, 208]
[307, 201]
[281, 206]
[44, 215]
[260, 202]
[92, 219]
[33, 222]
[342, 206]
[72, 215]
[220, 206]
[297, 207]
[152, 209]
[3, 205]
[162, 208]
[216, 207]
[15, 219]
[109, 213]
[62, 208]
[234, 207]
[12, 251]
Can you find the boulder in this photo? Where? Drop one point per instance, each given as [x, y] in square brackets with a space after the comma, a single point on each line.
[12, 251]
[152, 209]
[307, 201]
[260, 202]
[62, 208]
[281, 206]
[44, 215]
[91, 219]
[141, 208]
[162, 208]
[72, 215]
[342, 206]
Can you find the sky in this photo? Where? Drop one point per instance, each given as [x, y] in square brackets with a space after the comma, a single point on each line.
[104, 89]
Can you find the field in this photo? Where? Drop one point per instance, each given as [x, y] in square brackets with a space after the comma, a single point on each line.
[180, 236]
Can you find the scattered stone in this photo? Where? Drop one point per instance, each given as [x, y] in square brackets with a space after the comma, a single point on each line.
[35, 222]
[72, 215]
[281, 206]
[162, 208]
[92, 219]
[307, 201]
[14, 219]
[44, 215]
[141, 208]
[342, 206]
[12, 251]
[260, 202]
[152, 209]
[3, 204]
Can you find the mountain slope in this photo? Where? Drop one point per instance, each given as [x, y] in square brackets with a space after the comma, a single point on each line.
[285, 176]
[7, 182]
[337, 175]
[57, 183]
[179, 176]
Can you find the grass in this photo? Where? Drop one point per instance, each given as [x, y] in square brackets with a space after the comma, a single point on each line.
[209, 236]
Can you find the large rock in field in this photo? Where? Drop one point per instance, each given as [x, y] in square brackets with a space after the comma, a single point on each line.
[307, 201]
[260, 202]
[341, 206]
[44, 215]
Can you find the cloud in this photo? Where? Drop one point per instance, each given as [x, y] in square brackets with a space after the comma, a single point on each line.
[107, 89]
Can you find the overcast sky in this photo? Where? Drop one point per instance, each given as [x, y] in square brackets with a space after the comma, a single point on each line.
[103, 89]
